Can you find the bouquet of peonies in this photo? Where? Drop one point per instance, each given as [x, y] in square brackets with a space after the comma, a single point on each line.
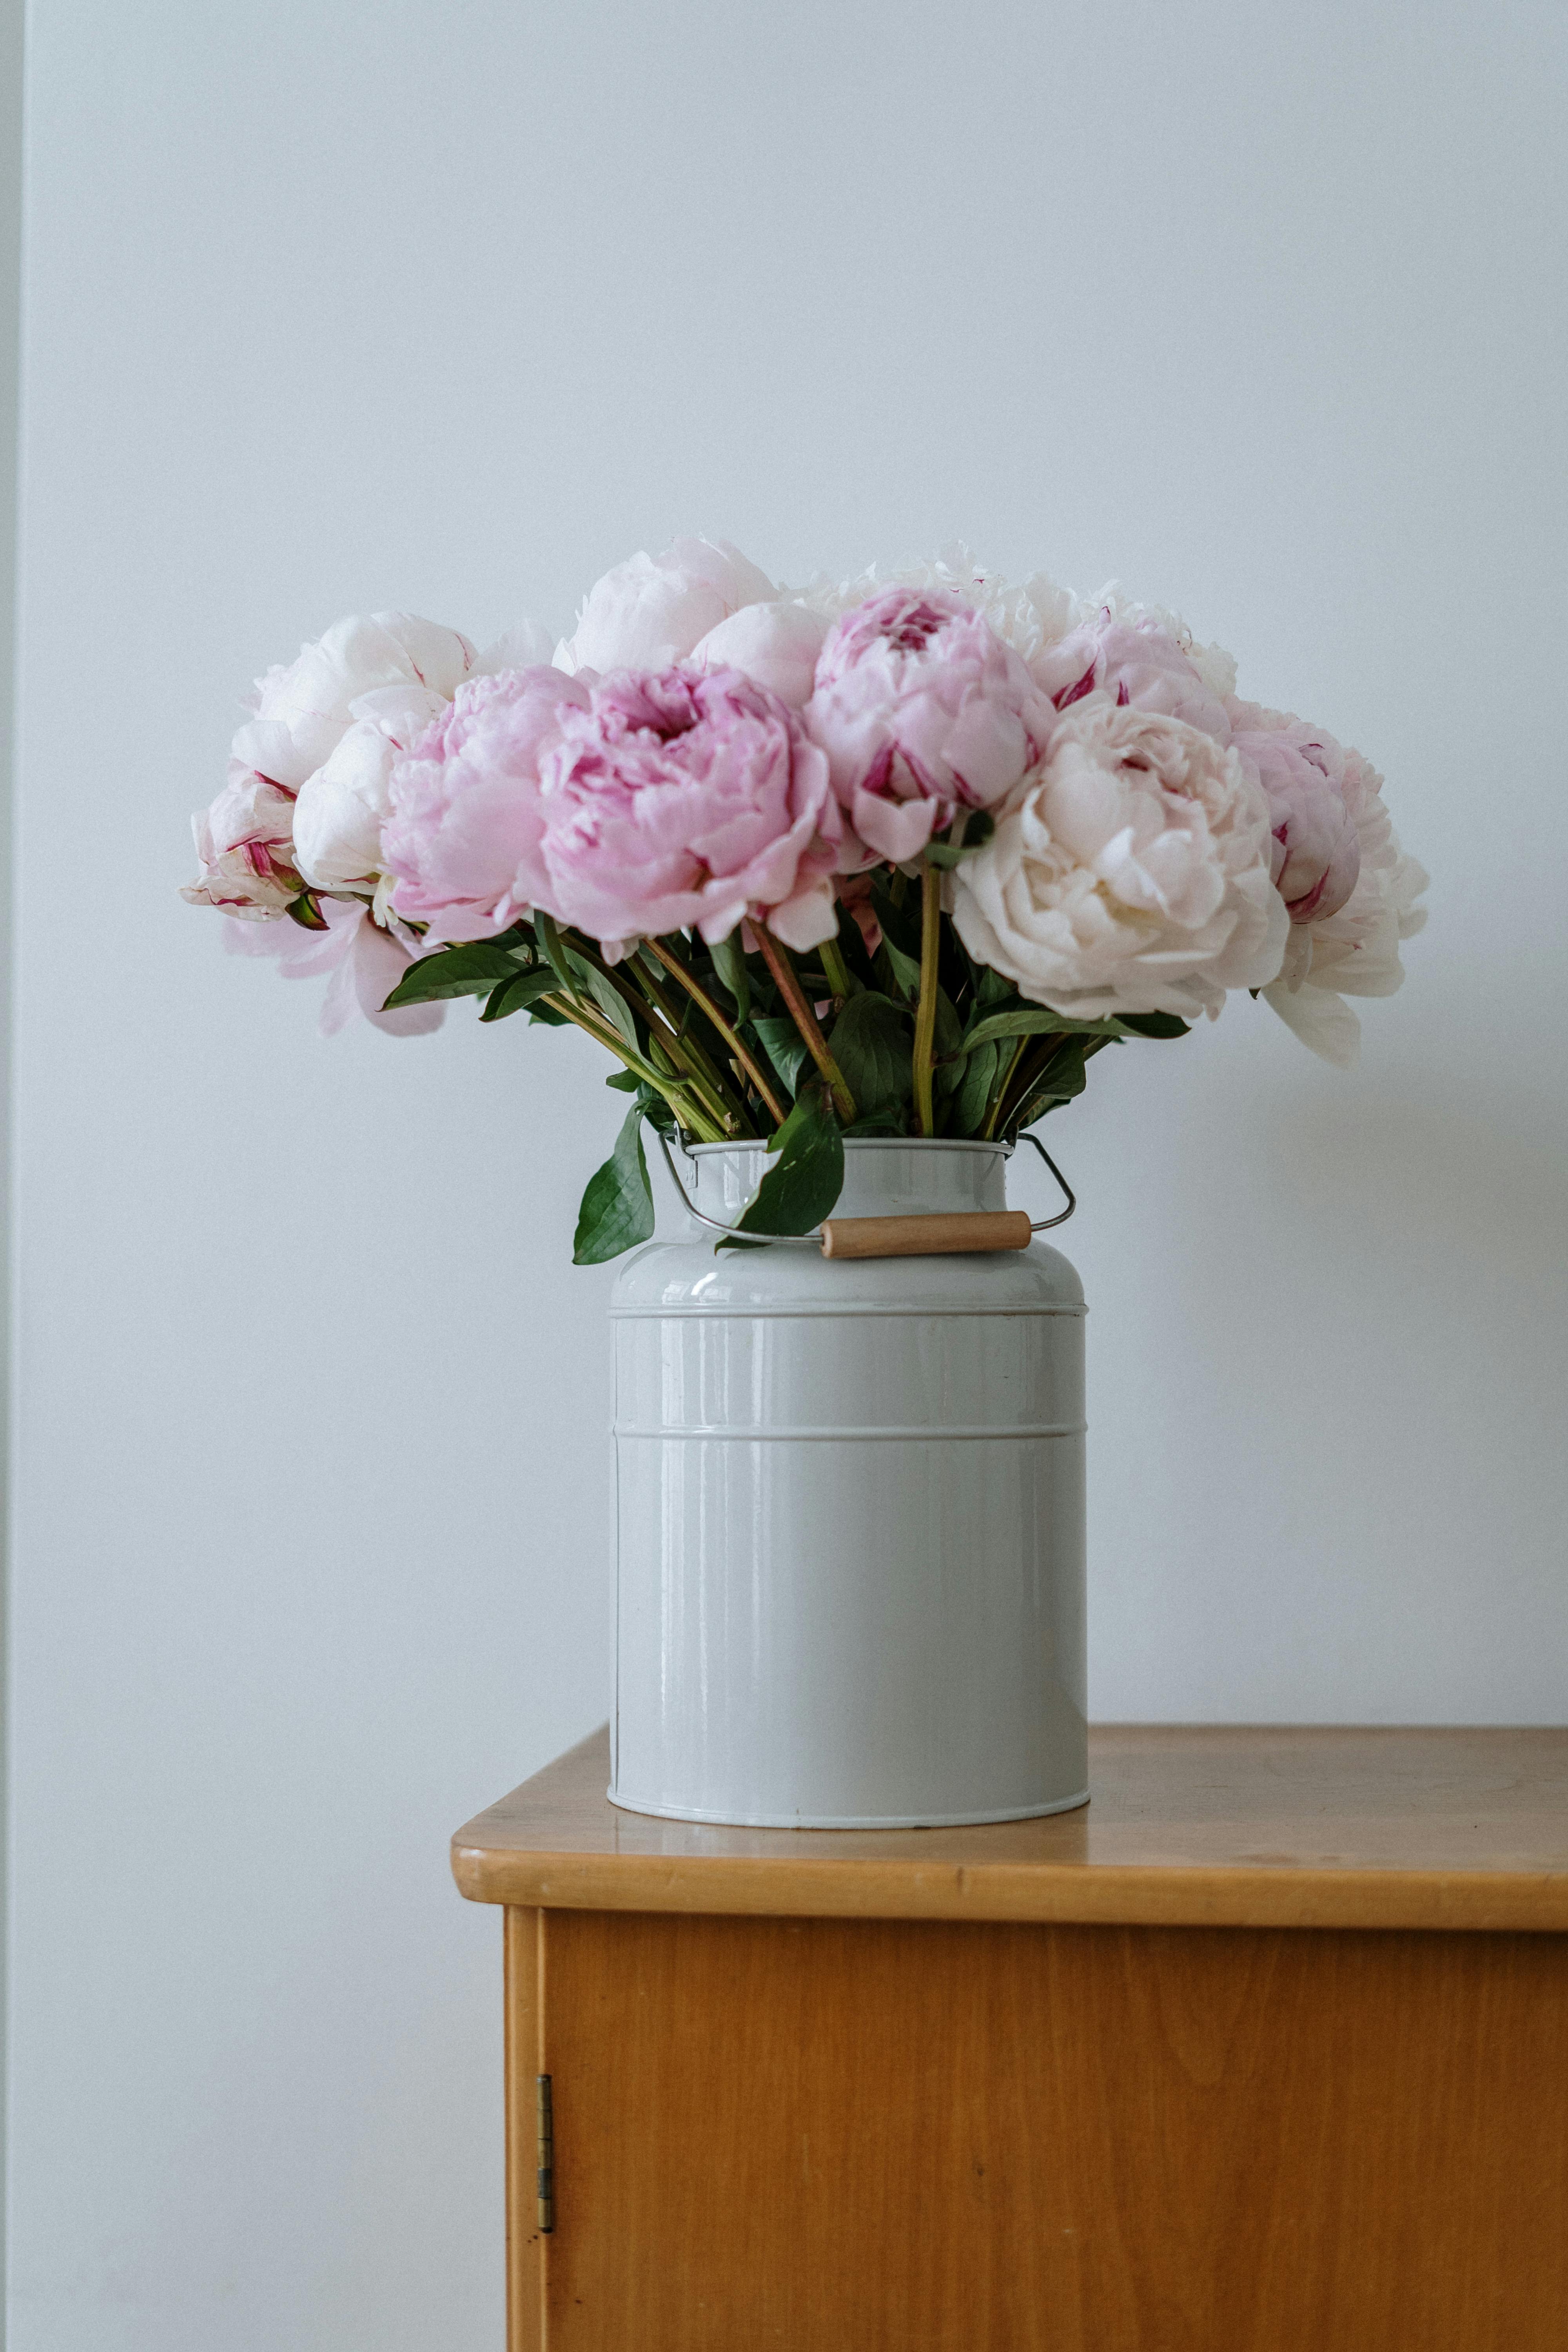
[896, 856]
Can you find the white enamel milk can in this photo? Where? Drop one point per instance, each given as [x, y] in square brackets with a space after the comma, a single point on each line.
[849, 1514]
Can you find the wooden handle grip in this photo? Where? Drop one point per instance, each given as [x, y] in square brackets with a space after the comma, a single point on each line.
[940, 1236]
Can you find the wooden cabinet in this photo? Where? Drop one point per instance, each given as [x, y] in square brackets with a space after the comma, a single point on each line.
[1264, 2051]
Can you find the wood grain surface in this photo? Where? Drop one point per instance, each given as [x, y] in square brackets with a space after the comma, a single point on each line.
[1186, 1826]
[836, 2136]
[524, 2063]
[927, 1236]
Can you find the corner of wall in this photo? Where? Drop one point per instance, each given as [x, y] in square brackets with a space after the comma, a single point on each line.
[12, 35]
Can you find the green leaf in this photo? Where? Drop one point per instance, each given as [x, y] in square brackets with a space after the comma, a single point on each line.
[1039, 1021]
[554, 947]
[516, 935]
[1028, 1022]
[973, 1100]
[1155, 1025]
[1063, 1077]
[807, 1171]
[905, 969]
[608, 999]
[871, 1044]
[617, 1207]
[881, 1122]
[1064, 1074]
[624, 1082]
[948, 1056]
[514, 995]
[901, 921]
[730, 963]
[783, 1043]
[470, 970]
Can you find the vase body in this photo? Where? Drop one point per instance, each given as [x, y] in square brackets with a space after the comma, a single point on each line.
[849, 1516]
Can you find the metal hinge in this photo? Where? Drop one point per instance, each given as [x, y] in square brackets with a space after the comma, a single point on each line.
[545, 2118]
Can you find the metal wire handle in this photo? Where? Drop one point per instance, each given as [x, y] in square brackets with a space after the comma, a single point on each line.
[812, 1239]
[1044, 1224]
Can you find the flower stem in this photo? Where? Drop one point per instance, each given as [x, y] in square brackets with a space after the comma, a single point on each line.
[776, 956]
[686, 1057]
[925, 1015]
[838, 971]
[694, 989]
[684, 1053]
[696, 1116]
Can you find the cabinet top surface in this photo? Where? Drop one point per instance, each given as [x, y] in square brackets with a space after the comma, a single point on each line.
[1187, 1825]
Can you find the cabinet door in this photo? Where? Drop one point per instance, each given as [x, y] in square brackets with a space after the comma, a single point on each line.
[870, 2135]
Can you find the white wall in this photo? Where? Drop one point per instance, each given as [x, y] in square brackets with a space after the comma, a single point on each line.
[11, 30]
[450, 307]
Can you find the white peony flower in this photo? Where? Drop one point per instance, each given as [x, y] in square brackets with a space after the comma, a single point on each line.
[247, 844]
[776, 643]
[341, 806]
[527, 646]
[1354, 951]
[1129, 873]
[306, 794]
[341, 809]
[1213, 664]
[652, 610]
[303, 708]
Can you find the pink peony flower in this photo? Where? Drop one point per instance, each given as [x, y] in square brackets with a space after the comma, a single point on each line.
[1315, 794]
[652, 610]
[922, 710]
[687, 798]
[467, 816]
[365, 959]
[1025, 618]
[1135, 662]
